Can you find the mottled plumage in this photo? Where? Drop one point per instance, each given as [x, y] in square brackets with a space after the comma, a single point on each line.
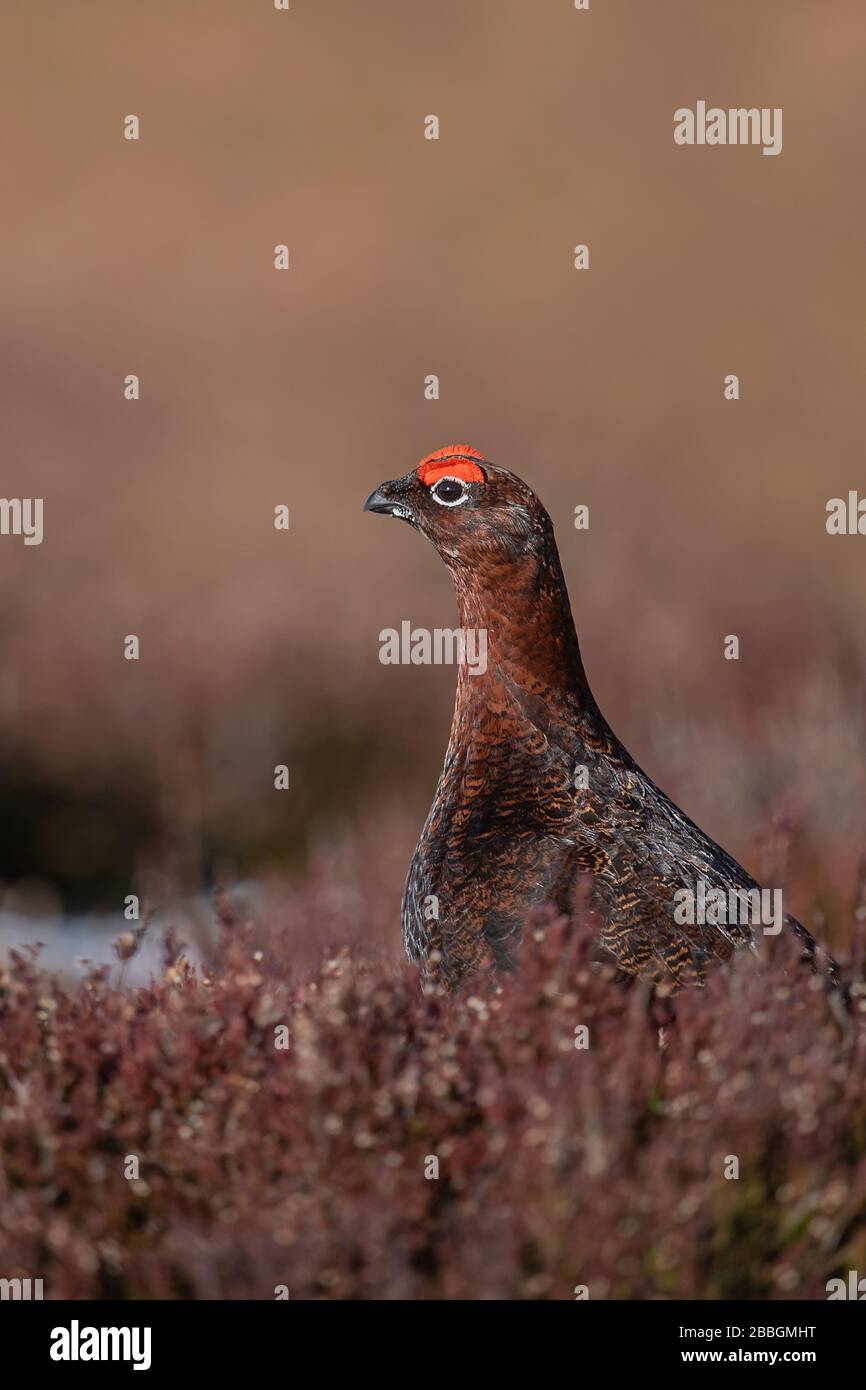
[536, 788]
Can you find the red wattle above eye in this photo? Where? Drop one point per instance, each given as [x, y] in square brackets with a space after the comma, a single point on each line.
[455, 461]
[466, 472]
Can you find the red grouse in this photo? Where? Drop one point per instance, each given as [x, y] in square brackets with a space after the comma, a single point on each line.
[536, 788]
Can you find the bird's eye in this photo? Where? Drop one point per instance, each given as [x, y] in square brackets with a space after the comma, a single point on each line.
[450, 492]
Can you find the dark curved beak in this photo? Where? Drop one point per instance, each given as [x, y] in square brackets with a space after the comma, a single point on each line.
[390, 498]
[378, 502]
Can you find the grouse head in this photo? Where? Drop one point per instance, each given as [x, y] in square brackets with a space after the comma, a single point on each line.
[473, 512]
[497, 540]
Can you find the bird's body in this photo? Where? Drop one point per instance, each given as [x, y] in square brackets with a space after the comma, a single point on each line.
[536, 789]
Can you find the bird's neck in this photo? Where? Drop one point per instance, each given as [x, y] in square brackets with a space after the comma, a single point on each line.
[521, 606]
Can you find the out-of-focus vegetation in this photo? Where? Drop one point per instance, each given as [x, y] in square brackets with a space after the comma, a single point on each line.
[403, 1144]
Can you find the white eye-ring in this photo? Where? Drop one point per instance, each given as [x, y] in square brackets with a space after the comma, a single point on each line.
[450, 492]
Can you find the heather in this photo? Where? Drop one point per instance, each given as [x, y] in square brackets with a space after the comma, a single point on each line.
[308, 1166]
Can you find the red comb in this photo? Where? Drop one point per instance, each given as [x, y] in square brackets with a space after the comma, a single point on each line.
[454, 461]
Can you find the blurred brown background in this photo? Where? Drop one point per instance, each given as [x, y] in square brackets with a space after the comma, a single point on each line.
[411, 257]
